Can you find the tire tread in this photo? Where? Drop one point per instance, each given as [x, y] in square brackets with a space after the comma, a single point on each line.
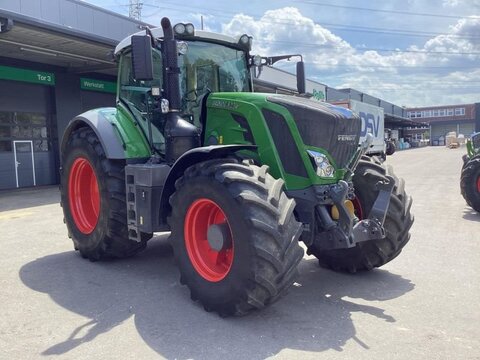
[274, 232]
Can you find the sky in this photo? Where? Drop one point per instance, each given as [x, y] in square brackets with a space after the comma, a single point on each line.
[408, 52]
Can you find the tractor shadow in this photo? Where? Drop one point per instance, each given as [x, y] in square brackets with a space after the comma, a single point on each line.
[470, 214]
[315, 316]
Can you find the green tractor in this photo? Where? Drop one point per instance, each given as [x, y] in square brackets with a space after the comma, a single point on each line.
[470, 177]
[238, 177]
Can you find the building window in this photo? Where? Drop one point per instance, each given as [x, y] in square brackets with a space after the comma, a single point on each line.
[435, 113]
[23, 126]
[449, 112]
[459, 111]
[441, 112]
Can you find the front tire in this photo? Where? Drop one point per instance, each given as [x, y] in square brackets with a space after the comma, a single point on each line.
[375, 253]
[257, 260]
[94, 201]
[470, 182]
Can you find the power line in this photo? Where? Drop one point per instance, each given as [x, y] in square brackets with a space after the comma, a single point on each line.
[399, 32]
[356, 8]
[344, 78]
[375, 66]
[401, 80]
[304, 44]
[339, 27]
[405, 88]
[432, 82]
[358, 48]
[402, 89]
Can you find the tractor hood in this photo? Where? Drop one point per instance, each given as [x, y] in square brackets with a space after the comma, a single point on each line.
[322, 125]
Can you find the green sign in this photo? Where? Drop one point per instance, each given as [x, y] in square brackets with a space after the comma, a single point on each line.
[98, 85]
[318, 95]
[31, 76]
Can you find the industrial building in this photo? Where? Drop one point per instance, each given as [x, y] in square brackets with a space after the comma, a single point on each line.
[55, 62]
[461, 119]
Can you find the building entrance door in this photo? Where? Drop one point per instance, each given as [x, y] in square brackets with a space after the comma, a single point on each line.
[24, 163]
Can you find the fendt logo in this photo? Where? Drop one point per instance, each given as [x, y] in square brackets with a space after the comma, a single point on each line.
[369, 124]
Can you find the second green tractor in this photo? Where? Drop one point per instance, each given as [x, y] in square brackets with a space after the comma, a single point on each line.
[239, 178]
[470, 176]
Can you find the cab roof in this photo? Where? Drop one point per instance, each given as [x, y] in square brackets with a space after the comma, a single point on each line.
[198, 34]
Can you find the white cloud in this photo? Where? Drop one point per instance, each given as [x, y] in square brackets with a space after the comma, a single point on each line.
[414, 90]
[420, 75]
[450, 3]
[464, 37]
[285, 29]
[458, 3]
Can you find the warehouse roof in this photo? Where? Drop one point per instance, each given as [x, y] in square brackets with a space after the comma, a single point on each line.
[66, 33]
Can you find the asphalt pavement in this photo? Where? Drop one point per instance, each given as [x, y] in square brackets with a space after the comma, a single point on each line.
[422, 305]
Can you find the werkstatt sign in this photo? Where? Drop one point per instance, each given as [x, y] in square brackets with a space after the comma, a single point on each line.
[98, 85]
[31, 76]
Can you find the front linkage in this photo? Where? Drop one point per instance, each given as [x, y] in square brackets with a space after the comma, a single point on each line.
[335, 224]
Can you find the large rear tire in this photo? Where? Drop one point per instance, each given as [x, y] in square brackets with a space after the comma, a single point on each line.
[94, 201]
[470, 182]
[256, 261]
[375, 253]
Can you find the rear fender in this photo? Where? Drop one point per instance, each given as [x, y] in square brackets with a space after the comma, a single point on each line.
[120, 136]
[99, 120]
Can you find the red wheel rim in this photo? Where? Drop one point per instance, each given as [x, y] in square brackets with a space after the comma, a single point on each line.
[83, 195]
[358, 208]
[212, 265]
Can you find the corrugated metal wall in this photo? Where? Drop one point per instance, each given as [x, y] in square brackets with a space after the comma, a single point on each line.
[75, 15]
[17, 99]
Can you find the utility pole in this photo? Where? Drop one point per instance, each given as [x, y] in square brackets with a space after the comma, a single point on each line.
[135, 11]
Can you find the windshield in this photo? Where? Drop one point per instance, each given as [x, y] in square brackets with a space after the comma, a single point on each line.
[209, 67]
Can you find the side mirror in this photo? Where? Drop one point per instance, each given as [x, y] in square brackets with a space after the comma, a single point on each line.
[301, 83]
[142, 62]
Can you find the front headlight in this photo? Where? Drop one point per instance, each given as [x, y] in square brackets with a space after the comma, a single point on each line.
[322, 164]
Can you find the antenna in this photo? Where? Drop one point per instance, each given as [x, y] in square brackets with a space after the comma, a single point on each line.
[135, 11]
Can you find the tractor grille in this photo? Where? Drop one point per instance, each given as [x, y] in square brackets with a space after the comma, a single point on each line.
[335, 129]
[285, 144]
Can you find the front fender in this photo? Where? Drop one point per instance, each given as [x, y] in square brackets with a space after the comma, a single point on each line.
[191, 157]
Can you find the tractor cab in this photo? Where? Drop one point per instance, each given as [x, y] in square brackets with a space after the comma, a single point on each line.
[164, 70]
